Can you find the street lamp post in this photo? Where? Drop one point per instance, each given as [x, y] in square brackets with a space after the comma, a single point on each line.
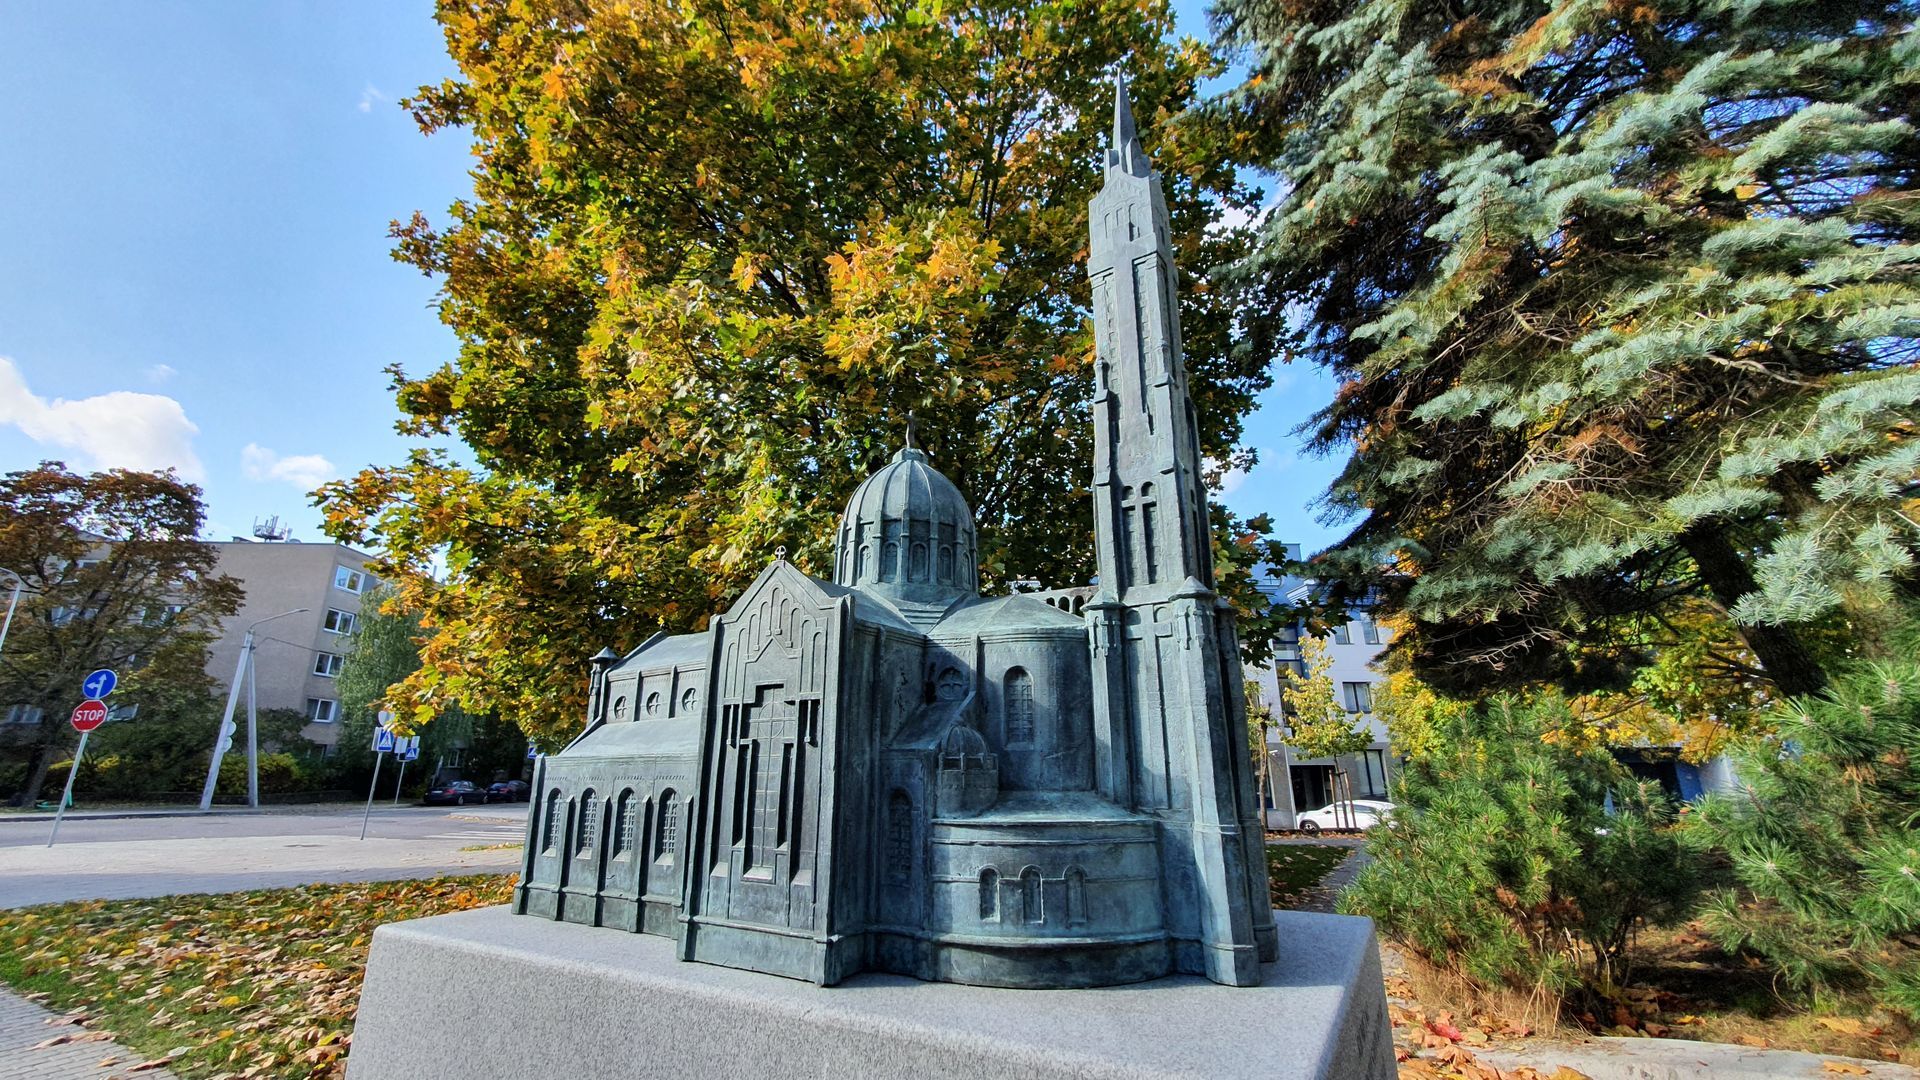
[223, 736]
[18, 583]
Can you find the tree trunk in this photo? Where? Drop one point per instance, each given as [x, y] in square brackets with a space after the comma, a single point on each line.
[1782, 654]
[36, 773]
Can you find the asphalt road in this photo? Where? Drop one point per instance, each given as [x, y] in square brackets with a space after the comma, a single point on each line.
[124, 858]
[404, 822]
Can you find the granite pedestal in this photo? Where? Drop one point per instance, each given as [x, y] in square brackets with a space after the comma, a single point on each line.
[478, 992]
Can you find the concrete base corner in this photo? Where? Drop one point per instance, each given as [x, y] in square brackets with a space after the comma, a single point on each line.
[480, 991]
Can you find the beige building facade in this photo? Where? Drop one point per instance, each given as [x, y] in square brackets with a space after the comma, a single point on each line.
[297, 657]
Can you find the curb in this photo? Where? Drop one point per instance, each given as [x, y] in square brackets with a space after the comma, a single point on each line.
[114, 815]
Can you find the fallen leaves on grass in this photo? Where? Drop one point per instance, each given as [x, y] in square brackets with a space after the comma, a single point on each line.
[1294, 869]
[264, 982]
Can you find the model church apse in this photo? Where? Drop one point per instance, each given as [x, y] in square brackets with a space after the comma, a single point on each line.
[890, 772]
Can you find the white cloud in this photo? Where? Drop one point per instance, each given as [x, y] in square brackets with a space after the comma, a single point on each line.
[159, 373]
[370, 96]
[117, 430]
[304, 471]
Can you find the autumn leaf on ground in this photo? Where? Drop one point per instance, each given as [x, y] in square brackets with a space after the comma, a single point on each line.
[1846, 1067]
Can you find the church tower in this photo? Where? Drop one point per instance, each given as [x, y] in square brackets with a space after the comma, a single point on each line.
[1170, 710]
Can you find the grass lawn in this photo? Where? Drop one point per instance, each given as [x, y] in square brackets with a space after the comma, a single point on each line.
[1292, 869]
[259, 984]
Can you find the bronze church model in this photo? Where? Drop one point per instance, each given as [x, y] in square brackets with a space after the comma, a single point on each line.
[890, 772]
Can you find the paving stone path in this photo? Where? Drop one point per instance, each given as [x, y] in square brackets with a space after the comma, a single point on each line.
[25, 1028]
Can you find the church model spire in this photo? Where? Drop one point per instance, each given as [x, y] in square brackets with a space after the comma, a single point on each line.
[1169, 697]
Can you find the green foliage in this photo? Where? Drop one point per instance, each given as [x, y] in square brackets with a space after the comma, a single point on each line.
[1318, 726]
[714, 255]
[1624, 299]
[115, 576]
[1823, 836]
[1503, 863]
[385, 653]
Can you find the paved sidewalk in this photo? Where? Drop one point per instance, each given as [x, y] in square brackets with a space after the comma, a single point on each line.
[26, 1027]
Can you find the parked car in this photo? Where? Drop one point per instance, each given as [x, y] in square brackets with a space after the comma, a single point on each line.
[454, 793]
[509, 791]
[1365, 815]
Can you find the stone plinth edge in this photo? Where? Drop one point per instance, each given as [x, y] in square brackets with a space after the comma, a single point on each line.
[479, 991]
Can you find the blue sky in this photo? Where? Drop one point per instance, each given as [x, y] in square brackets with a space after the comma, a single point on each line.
[194, 200]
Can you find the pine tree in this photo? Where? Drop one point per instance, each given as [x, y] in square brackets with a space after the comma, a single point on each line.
[1824, 841]
[1504, 863]
[1623, 299]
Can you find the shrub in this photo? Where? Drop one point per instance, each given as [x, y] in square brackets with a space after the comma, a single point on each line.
[1823, 836]
[1505, 864]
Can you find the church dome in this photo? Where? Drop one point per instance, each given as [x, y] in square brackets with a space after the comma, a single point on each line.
[908, 534]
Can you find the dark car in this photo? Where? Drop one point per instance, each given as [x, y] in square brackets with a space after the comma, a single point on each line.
[509, 791]
[454, 793]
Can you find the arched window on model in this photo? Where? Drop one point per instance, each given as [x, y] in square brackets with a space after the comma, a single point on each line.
[624, 836]
[989, 895]
[552, 838]
[589, 824]
[668, 841]
[1019, 698]
[1030, 904]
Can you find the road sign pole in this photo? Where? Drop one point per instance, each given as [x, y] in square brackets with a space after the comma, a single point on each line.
[370, 789]
[220, 733]
[67, 795]
[400, 779]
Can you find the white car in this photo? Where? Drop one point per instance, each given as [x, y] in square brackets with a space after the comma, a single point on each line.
[1362, 814]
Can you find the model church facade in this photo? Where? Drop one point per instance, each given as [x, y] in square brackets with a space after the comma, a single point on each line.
[889, 772]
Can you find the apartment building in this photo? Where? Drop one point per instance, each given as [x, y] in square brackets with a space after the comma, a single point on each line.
[304, 602]
[1295, 784]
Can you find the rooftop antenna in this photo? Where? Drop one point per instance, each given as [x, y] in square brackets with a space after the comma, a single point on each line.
[910, 445]
[271, 529]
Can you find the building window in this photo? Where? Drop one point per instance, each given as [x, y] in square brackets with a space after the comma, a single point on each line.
[322, 710]
[1341, 635]
[623, 840]
[589, 824]
[160, 616]
[327, 664]
[341, 622]
[1019, 706]
[1369, 630]
[1373, 766]
[347, 579]
[669, 839]
[553, 821]
[989, 895]
[1357, 696]
[1030, 904]
[653, 704]
[24, 714]
[689, 698]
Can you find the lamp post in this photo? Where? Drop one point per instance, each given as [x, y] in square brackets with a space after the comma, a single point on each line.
[223, 737]
[18, 583]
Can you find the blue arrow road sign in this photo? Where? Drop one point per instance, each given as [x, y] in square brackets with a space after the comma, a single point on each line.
[100, 683]
[532, 751]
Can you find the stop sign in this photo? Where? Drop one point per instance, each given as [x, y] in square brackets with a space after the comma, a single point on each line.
[89, 714]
